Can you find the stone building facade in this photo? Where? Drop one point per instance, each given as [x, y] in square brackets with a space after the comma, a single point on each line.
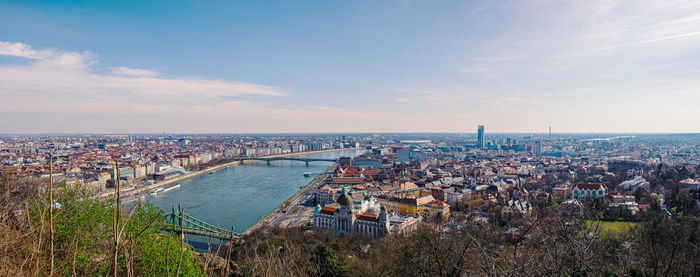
[348, 216]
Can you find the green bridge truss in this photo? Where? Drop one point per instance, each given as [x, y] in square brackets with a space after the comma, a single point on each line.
[181, 222]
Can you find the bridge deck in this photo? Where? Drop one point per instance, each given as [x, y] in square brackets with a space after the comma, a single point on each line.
[287, 159]
[207, 233]
[179, 221]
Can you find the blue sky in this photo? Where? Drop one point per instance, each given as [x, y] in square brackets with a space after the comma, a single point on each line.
[349, 66]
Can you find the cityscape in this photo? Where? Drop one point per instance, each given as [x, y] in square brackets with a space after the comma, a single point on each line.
[393, 138]
[376, 185]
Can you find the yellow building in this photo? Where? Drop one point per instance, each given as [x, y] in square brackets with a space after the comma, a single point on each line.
[414, 205]
[437, 207]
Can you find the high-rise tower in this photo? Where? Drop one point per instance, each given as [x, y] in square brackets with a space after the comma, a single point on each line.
[538, 148]
[480, 136]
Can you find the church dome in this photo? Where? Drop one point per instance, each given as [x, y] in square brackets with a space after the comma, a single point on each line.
[345, 200]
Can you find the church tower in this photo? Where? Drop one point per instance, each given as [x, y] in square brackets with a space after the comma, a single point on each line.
[384, 224]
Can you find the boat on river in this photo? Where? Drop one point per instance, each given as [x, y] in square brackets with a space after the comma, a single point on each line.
[157, 191]
[307, 174]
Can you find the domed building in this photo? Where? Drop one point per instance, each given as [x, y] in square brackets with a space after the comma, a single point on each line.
[363, 216]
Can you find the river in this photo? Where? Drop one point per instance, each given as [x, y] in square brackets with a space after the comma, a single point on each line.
[240, 195]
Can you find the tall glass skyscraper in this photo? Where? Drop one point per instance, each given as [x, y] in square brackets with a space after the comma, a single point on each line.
[538, 148]
[480, 136]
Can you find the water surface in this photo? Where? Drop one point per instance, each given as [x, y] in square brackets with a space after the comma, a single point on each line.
[240, 195]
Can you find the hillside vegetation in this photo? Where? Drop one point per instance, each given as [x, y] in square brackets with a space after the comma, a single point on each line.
[83, 239]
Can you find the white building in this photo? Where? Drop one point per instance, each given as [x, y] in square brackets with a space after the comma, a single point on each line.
[519, 206]
[587, 191]
[452, 198]
[249, 152]
[161, 167]
[326, 196]
[364, 217]
[205, 157]
[637, 181]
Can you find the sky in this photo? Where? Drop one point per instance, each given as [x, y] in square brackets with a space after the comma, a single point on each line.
[349, 66]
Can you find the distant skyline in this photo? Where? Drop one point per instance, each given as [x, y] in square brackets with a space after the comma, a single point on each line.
[417, 134]
[359, 66]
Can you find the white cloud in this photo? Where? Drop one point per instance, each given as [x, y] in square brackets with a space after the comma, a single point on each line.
[18, 49]
[404, 100]
[69, 75]
[134, 72]
[474, 70]
[60, 89]
[48, 58]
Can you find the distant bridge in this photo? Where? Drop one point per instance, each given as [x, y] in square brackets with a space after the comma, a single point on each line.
[180, 222]
[306, 160]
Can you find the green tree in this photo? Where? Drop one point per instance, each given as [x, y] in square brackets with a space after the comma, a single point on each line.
[327, 262]
[83, 238]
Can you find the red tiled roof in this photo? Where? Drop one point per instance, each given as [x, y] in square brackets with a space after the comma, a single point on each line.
[590, 186]
[407, 185]
[417, 201]
[367, 216]
[348, 179]
[437, 203]
[328, 210]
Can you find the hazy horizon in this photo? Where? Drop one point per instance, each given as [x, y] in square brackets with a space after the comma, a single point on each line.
[349, 67]
[343, 133]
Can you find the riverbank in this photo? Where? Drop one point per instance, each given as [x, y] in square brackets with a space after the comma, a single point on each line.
[145, 189]
[277, 215]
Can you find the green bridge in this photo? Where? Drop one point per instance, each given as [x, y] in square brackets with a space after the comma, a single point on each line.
[180, 222]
